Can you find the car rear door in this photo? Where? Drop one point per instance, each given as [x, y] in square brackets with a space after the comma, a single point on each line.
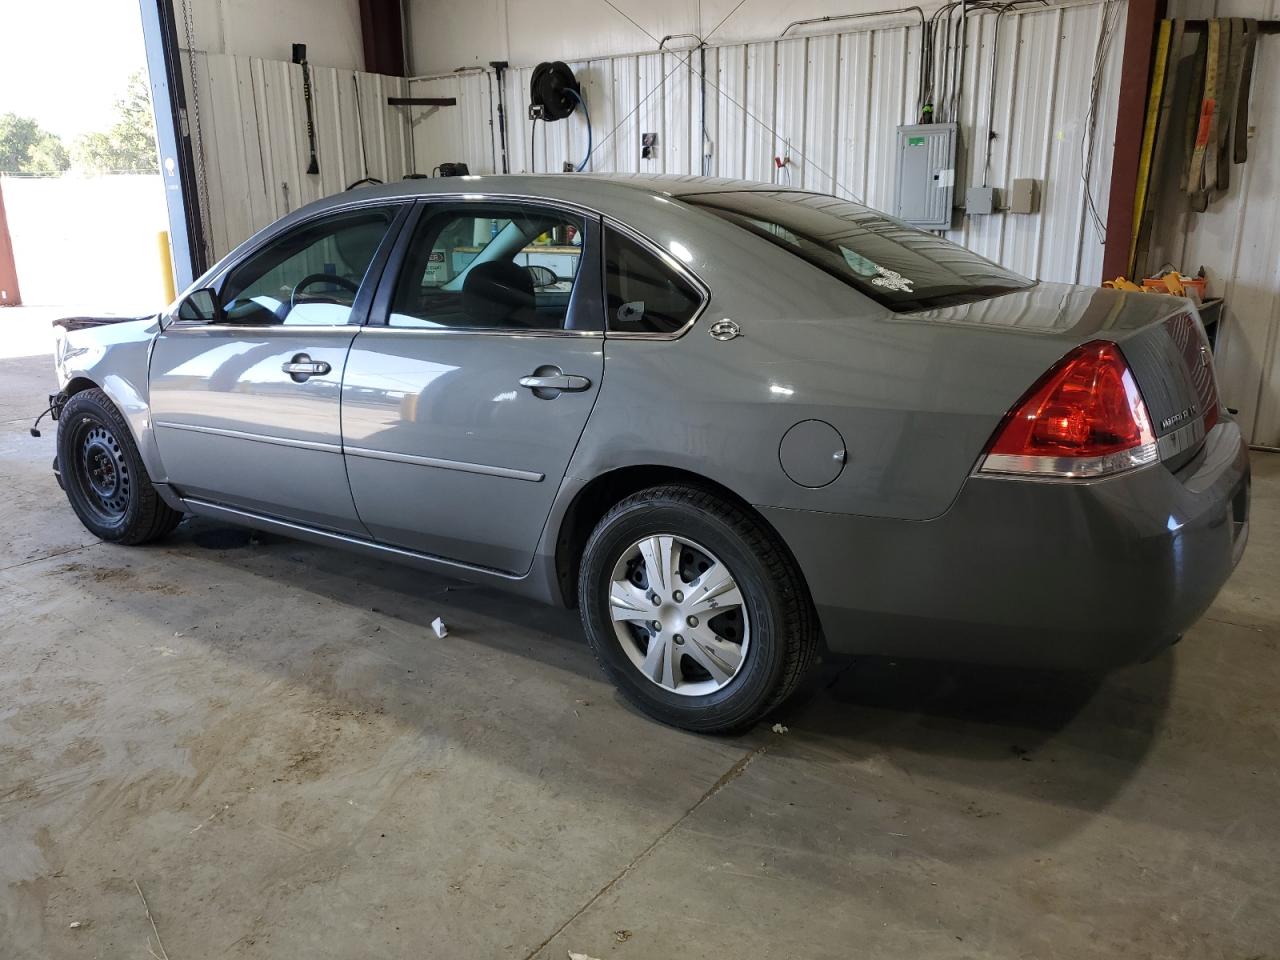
[246, 403]
[466, 393]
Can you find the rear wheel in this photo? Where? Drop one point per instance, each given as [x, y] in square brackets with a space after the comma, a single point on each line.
[694, 609]
[102, 473]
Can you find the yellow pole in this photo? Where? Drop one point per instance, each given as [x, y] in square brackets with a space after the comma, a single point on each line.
[166, 266]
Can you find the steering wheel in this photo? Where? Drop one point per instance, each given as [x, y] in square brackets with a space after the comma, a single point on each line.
[541, 276]
[314, 278]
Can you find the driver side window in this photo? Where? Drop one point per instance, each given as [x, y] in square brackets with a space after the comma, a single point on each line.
[308, 276]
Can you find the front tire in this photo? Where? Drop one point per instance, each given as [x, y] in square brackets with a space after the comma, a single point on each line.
[694, 609]
[103, 475]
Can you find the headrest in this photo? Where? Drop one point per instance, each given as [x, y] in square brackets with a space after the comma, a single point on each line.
[497, 293]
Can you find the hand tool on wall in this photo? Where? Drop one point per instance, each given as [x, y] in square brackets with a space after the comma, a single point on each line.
[1221, 138]
[1199, 198]
[1192, 106]
[300, 58]
[1158, 96]
[1244, 42]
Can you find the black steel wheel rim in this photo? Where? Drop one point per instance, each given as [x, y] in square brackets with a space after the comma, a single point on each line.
[102, 472]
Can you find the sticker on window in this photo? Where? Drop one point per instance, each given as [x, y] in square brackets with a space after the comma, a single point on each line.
[436, 272]
[631, 310]
[891, 280]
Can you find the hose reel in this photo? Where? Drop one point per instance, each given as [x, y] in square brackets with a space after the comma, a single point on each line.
[554, 93]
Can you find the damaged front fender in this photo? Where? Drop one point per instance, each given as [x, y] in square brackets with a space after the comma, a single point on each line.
[114, 355]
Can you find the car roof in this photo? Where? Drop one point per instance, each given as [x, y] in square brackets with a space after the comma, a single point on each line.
[623, 197]
[602, 192]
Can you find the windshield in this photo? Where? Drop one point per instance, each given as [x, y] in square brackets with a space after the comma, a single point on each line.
[894, 264]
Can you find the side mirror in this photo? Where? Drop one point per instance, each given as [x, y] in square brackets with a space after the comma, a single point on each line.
[200, 306]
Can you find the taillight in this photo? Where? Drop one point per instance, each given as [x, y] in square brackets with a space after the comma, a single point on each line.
[1084, 418]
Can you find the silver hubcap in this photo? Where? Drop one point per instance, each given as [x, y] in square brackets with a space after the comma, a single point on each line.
[679, 615]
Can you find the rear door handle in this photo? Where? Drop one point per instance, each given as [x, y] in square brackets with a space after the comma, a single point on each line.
[302, 367]
[559, 381]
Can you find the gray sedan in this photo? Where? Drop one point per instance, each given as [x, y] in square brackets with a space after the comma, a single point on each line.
[740, 427]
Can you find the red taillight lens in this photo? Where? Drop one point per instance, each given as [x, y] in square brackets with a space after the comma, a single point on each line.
[1084, 418]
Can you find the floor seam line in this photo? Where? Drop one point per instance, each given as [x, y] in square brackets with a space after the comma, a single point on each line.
[60, 553]
[729, 776]
[1235, 623]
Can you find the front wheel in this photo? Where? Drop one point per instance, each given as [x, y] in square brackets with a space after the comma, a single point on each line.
[694, 609]
[103, 475]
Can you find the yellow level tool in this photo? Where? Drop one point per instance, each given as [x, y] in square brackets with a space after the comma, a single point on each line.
[1154, 98]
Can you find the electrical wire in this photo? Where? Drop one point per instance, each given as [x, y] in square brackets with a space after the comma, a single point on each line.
[656, 87]
[688, 62]
[741, 106]
[1110, 17]
[702, 94]
[533, 126]
[942, 74]
[586, 113]
[629, 19]
[643, 100]
[962, 35]
[364, 153]
[722, 20]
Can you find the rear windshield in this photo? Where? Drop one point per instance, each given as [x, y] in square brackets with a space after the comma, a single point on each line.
[896, 265]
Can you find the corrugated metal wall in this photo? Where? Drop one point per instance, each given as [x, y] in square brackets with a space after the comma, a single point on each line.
[832, 103]
[465, 132]
[1237, 241]
[249, 131]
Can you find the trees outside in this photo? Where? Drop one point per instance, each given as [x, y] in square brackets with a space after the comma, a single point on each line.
[127, 146]
[26, 147]
[49, 156]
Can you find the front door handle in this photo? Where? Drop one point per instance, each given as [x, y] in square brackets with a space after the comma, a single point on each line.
[302, 368]
[561, 381]
[555, 381]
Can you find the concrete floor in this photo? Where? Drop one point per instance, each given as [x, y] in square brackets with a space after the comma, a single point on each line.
[267, 738]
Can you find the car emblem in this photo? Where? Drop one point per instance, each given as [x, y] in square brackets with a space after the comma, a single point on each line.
[1186, 414]
[725, 330]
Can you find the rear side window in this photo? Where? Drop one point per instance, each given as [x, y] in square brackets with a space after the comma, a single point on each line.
[892, 263]
[645, 294]
[490, 266]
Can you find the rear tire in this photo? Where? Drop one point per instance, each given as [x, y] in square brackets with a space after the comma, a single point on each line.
[695, 610]
[103, 475]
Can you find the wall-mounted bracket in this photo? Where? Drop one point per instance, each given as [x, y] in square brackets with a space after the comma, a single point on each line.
[422, 101]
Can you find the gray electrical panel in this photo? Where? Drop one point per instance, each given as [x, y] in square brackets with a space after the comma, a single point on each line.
[926, 174]
[980, 201]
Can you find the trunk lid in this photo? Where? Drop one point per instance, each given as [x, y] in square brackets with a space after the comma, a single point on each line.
[1161, 338]
[1173, 366]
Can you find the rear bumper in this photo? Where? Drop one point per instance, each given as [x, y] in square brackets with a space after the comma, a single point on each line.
[1033, 573]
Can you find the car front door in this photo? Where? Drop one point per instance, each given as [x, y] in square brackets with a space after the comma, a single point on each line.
[246, 402]
[466, 393]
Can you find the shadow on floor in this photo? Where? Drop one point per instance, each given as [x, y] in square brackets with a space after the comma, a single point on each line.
[952, 721]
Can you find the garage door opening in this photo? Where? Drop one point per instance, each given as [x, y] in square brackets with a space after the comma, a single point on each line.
[81, 184]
